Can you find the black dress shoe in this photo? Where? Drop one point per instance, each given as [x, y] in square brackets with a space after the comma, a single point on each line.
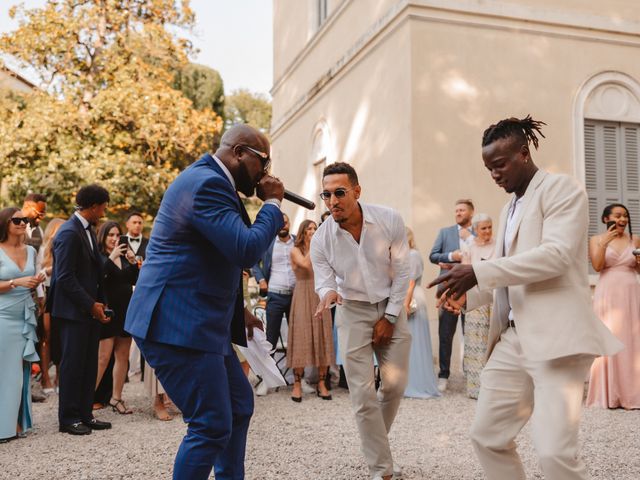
[95, 424]
[75, 429]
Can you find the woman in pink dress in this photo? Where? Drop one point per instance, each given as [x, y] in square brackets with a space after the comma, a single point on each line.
[615, 380]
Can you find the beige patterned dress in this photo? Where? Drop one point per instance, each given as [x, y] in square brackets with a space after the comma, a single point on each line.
[476, 327]
[310, 341]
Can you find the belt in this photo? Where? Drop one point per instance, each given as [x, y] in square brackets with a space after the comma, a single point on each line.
[511, 324]
[280, 292]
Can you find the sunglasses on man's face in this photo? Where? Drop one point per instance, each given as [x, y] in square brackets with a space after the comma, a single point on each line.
[338, 193]
[265, 160]
[19, 220]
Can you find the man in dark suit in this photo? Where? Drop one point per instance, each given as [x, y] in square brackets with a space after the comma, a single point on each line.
[76, 302]
[137, 243]
[448, 248]
[187, 307]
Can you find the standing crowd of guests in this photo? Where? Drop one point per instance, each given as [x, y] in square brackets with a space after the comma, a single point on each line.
[64, 293]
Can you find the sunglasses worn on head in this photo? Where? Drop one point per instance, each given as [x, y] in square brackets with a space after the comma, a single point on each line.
[19, 220]
[338, 192]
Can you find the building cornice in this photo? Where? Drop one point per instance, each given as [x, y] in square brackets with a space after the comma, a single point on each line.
[496, 15]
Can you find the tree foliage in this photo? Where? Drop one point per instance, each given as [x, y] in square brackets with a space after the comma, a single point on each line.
[202, 85]
[243, 106]
[108, 111]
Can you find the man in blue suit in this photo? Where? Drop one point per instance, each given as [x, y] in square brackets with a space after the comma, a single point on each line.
[448, 248]
[187, 307]
[76, 302]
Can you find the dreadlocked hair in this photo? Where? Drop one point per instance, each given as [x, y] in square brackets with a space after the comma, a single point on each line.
[524, 129]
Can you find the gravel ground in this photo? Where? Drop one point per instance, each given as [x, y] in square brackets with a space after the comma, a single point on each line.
[312, 440]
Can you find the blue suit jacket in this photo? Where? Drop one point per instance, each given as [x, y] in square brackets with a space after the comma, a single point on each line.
[262, 269]
[188, 288]
[76, 283]
[448, 240]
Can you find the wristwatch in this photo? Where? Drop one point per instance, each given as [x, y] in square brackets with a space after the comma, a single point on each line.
[12, 284]
[392, 319]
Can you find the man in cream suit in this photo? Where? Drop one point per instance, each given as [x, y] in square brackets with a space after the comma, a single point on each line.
[543, 333]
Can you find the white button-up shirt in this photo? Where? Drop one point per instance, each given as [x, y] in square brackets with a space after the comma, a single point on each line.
[373, 270]
[509, 234]
[85, 224]
[281, 276]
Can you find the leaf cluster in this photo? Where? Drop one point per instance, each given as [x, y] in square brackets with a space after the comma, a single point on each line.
[108, 112]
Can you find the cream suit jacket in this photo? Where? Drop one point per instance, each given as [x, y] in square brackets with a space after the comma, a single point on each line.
[545, 274]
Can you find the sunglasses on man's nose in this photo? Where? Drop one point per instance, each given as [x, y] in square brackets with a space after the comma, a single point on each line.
[338, 193]
[19, 220]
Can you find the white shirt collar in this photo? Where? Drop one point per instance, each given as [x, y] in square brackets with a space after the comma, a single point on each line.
[225, 170]
[84, 221]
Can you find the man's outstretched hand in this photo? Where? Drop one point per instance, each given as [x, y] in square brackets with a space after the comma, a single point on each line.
[330, 300]
[457, 281]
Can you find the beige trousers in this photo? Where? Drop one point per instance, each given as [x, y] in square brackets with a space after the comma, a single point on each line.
[374, 412]
[514, 389]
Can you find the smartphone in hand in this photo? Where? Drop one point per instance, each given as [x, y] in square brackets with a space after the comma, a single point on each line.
[124, 240]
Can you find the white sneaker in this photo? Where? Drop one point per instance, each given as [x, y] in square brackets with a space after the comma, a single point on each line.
[397, 471]
[306, 388]
[261, 389]
[442, 384]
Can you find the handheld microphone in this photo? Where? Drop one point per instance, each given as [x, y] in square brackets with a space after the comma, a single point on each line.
[298, 200]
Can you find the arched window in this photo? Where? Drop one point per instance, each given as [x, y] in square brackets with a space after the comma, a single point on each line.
[320, 153]
[609, 109]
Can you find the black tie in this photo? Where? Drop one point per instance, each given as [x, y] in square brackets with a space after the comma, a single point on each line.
[131, 240]
[238, 335]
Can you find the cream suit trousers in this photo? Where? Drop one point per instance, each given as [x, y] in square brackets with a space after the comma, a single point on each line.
[374, 413]
[514, 389]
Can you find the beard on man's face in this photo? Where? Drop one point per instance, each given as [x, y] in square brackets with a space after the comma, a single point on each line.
[283, 233]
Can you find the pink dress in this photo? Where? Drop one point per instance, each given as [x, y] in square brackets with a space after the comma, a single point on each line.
[615, 381]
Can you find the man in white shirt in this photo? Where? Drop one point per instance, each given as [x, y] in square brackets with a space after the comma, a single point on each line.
[276, 280]
[35, 207]
[137, 243]
[360, 262]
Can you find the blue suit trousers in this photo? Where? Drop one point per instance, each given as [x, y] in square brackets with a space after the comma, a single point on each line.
[216, 401]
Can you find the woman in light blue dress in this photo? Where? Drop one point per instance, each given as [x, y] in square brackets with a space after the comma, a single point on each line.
[422, 379]
[17, 324]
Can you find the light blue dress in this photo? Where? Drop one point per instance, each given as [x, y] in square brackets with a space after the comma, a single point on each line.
[17, 347]
[422, 379]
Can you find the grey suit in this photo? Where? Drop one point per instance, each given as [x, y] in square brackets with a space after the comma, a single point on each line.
[448, 240]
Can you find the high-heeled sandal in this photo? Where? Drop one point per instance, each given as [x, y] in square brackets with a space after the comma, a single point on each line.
[120, 407]
[321, 378]
[297, 377]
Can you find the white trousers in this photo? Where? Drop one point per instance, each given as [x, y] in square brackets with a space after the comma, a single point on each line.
[374, 413]
[514, 389]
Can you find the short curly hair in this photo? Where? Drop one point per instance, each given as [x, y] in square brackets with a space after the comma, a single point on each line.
[339, 168]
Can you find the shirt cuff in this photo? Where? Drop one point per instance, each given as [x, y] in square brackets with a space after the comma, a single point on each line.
[323, 292]
[393, 309]
[273, 201]
[450, 257]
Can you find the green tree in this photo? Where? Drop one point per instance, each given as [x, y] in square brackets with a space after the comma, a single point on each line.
[203, 86]
[108, 111]
[242, 106]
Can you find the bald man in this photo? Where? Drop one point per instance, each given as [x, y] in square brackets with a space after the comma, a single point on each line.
[187, 307]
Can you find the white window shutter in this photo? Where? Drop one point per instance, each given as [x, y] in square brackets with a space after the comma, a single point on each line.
[631, 179]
